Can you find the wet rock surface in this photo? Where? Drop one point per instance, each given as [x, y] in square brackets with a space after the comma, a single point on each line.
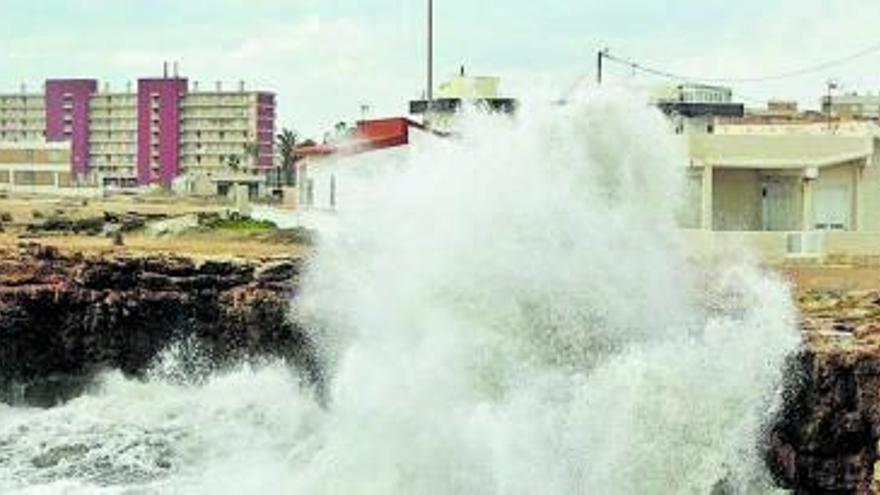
[65, 317]
[824, 440]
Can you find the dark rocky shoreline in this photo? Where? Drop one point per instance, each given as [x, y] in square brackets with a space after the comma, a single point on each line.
[824, 440]
[65, 317]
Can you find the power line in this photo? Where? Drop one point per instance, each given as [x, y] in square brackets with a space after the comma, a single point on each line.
[649, 69]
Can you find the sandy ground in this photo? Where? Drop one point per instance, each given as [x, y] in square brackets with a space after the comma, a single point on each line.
[241, 245]
[833, 277]
[211, 245]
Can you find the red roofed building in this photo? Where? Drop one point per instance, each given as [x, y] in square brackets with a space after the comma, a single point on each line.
[369, 135]
[322, 169]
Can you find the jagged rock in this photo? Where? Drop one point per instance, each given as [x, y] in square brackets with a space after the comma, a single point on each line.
[71, 315]
[278, 271]
[825, 438]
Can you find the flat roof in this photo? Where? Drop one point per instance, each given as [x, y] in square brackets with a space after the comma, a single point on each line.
[766, 151]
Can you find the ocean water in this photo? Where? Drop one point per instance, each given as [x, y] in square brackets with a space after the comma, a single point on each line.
[513, 311]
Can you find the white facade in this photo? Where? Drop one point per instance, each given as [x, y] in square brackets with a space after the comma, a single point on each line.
[113, 137]
[337, 181]
[216, 126]
[852, 105]
[22, 117]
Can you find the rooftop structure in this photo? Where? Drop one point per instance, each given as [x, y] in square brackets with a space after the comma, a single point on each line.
[480, 91]
[697, 100]
[852, 106]
[696, 108]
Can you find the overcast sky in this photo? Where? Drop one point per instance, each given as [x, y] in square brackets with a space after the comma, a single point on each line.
[325, 58]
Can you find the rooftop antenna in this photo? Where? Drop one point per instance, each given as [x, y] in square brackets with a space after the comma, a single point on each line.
[165, 70]
[175, 70]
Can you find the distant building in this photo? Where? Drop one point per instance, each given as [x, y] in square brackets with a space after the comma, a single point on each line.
[480, 91]
[163, 129]
[776, 112]
[782, 107]
[693, 94]
[787, 182]
[35, 167]
[696, 108]
[852, 106]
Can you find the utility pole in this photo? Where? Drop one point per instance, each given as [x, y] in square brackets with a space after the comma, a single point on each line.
[600, 57]
[832, 85]
[429, 93]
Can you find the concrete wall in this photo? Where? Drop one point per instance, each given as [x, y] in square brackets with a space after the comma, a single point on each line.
[850, 128]
[736, 200]
[840, 178]
[869, 198]
[771, 247]
[690, 214]
[852, 243]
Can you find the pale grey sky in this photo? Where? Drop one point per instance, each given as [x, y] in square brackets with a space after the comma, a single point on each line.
[325, 58]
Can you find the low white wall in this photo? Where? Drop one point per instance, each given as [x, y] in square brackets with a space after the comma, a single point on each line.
[772, 247]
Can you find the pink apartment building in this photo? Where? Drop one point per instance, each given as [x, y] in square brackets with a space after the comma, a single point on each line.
[151, 134]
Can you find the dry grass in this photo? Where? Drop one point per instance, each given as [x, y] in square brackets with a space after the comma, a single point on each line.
[197, 245]
[833, 277]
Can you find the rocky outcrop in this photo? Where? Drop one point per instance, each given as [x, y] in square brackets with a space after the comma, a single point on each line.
[825, 438]
[64, 317]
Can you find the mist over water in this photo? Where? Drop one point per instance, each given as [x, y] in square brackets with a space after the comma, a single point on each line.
[510, 312]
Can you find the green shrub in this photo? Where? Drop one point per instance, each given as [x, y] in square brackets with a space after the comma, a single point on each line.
[243, 225]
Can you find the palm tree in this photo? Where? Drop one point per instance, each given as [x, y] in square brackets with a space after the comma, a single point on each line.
[233, 162]
[287, 147]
